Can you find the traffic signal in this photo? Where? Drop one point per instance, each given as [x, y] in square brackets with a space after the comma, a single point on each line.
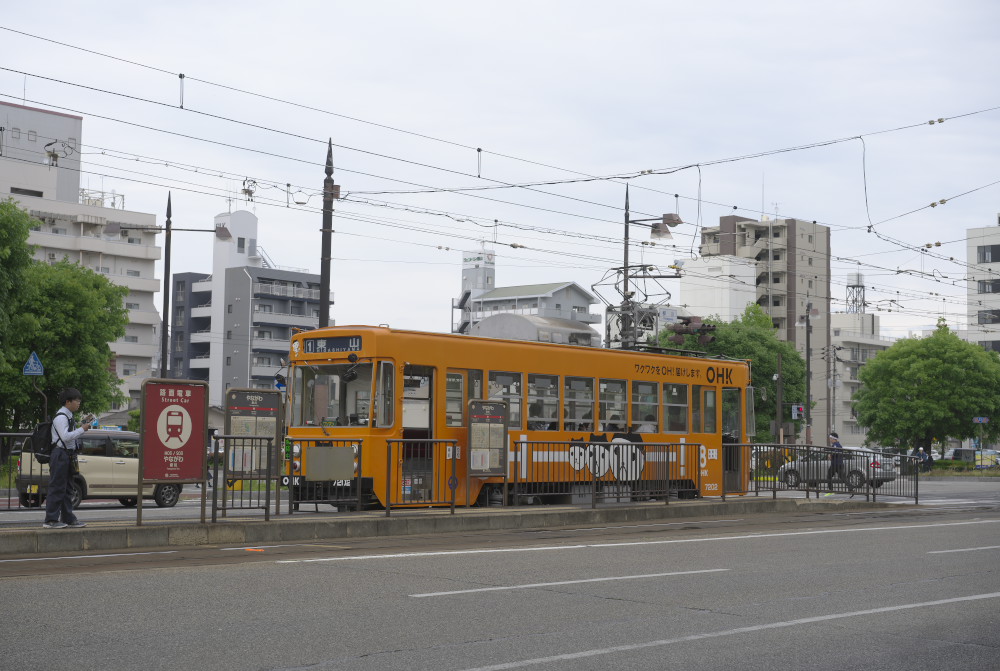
[798, 411]
[691, 326]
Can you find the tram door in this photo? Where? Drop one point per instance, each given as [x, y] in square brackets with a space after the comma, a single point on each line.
[732, 451]
[417, 467]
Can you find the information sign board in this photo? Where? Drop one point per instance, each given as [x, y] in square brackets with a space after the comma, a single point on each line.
[487, 438]
[174, 430]
[252, 413]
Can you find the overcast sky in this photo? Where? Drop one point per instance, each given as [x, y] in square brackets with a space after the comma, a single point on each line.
[550, 91]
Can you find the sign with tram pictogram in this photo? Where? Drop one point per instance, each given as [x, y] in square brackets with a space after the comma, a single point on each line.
[174, 430]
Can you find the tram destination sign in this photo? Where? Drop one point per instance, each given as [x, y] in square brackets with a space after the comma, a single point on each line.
[333, 344]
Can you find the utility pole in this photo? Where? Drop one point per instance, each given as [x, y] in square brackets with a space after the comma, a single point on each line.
[327, 230]
[808, 404]
[164, 337]
[779, 420]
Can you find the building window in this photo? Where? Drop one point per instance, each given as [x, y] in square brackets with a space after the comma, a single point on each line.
[130, 368]
[131, 306]
[135, 241]
[264, 307]
[989, 286]
[989, 317]
[180, 286]
[229, 335]
[15, 133]
[990, 345]
[132, 273]
[131, 338]
[809, 238]
[988, 254]
[32, 136]
[229, 308]
[104, 270]
[229, 361]
[241, 245]
[26, 192]
[810, 259]
[58, 231]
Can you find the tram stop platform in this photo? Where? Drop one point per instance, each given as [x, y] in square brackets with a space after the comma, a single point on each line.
[305, 525]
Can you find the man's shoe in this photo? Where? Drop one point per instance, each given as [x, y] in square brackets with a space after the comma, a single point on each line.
[54, 525]
[76, 524]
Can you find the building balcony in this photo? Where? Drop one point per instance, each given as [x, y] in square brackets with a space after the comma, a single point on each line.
[201, 311]
[271, 345]
[201, 336]
[709, 249]
[265, 289]
[147, 317]
[203, 285]
[145, 350]
[200, 362]
[285, 319]
[264, 371]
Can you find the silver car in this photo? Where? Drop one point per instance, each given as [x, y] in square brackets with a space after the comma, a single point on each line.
[860, 463]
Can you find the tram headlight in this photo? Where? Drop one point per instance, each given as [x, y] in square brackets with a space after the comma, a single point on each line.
[296, 450]
[296, 466]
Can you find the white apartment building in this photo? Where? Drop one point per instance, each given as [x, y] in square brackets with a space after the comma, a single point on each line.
[792, 282]
[983, 289]
[232, 328]
[40, 169]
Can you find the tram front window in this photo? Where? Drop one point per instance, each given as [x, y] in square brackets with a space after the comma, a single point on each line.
[331, 395]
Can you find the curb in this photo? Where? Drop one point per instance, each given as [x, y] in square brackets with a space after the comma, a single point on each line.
[367, 525]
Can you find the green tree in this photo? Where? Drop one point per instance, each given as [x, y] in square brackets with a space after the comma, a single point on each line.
[752, 336]
[922, 389]
[15, 257]
[66, 314]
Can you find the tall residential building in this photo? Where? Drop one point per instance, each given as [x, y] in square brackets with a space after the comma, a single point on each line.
[855, 340]
[550, 312]
[792, 285]
[40, 169]
[232, 327]
[983, 289]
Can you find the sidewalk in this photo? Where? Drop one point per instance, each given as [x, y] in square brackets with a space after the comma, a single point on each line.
[309, 526]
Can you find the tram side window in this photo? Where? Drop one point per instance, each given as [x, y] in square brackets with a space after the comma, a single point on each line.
[703, 408]
[543, 402]
[455, 399]
[384, 395]
[646, 407]
[675, 407]
[507, 387]
[614, 405]
[578, 404]
[731, 415]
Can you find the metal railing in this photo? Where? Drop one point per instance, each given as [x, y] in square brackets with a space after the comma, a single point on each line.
[819, 471]
[339, 457]
[249, 475]
[577, 473]
[411, 472]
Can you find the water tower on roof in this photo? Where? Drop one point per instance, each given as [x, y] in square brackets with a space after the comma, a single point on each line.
[855, 293]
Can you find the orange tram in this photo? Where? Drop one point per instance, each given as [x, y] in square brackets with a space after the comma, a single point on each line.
[370, 388]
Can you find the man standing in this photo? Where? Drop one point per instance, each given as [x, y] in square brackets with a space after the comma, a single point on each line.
[836, 463]
[58, 508]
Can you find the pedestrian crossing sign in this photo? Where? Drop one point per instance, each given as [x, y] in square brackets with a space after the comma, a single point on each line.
[33, 366]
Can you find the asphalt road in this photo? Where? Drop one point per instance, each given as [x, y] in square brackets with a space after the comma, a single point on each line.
[905, 588]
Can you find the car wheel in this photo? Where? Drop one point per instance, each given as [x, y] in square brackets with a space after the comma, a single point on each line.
[128, 501]
[792, 479]
[74, 491]
[855, 480]
[29, 500]
[167, 496]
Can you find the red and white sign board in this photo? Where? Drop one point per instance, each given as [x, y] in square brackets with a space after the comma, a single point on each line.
[174, 430]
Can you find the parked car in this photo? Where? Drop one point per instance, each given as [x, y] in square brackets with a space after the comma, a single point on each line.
[109, 468]
[861, 465]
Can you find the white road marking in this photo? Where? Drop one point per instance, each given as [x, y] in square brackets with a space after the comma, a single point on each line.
[565, 582]
[440, 553]
[728, 632]
[987, 547]
[638, 526]
[121, 554]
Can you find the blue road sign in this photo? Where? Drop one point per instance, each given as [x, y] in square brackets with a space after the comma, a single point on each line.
[33, 366]
[980, 420]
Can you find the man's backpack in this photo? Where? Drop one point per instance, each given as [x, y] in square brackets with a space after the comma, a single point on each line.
[41, 442]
